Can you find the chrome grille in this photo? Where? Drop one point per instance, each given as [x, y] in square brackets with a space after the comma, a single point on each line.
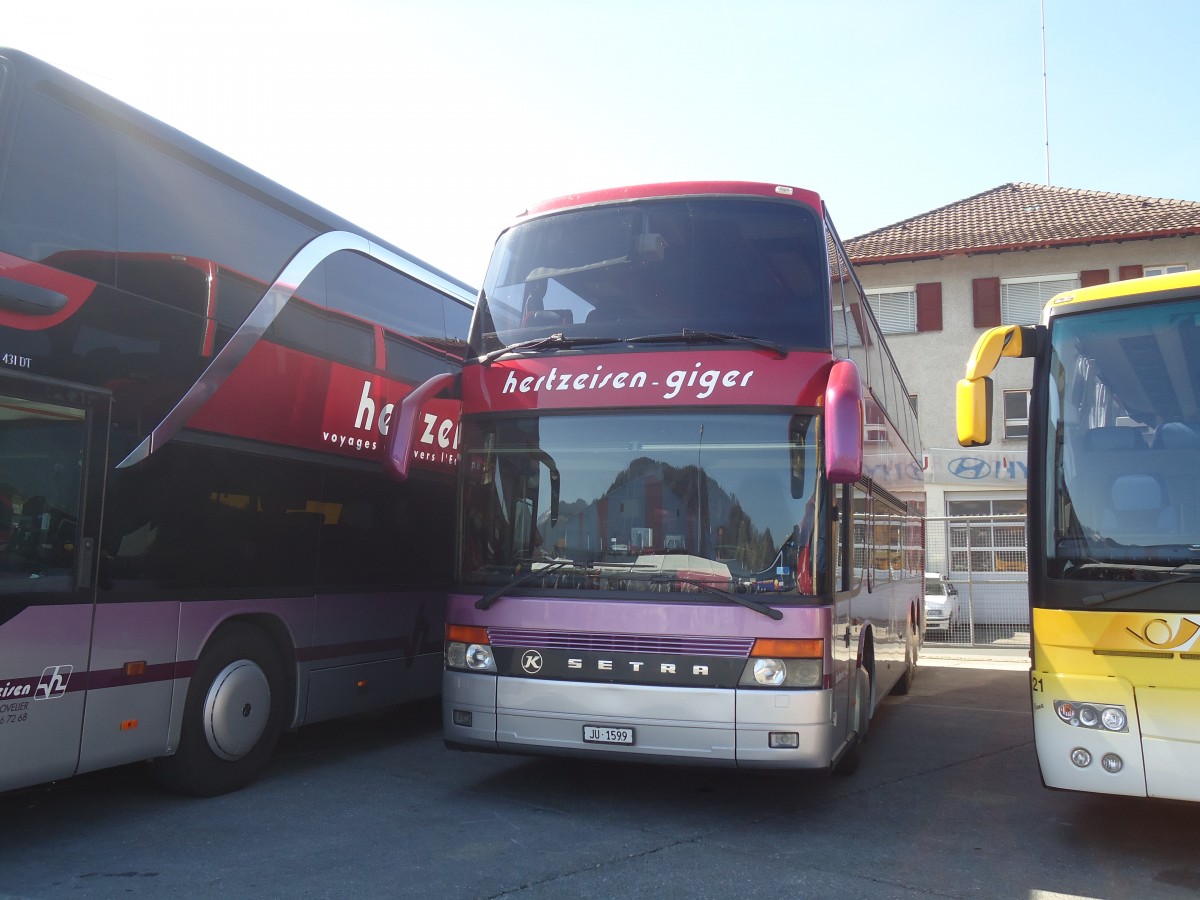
[698, 645]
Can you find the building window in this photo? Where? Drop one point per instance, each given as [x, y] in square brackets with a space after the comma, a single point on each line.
[1016, 414]
[1168, 269]
[895, 309]
[1022, 299]
[983, 538]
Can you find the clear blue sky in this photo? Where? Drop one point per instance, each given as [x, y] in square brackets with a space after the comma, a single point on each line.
[433, 123]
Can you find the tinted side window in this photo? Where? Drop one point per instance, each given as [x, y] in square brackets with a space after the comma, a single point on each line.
[191, 517]
[412, 364]
[380, 532]
[60, 185]
[194, 517]
[458, 322]
[41, 448]
[167, 206]
[302, 326]
[369, 290]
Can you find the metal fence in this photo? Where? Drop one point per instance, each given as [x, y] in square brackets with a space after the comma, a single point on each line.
[983, 558]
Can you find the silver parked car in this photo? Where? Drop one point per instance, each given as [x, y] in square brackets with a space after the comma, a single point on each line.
[941, 604]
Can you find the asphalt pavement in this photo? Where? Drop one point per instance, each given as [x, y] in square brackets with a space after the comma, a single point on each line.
[946, 804]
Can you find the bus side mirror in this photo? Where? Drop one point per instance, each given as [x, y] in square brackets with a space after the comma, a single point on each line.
[555, 482]
[403, 432]
[973, 411]
[843, 424]
[973, 394]
[554, 491]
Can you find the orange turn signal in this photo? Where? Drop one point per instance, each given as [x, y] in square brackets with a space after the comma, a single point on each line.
[781, 648]
[467, 634]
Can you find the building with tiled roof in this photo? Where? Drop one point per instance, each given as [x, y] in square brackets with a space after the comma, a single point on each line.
[1022, 216]
[938, 279]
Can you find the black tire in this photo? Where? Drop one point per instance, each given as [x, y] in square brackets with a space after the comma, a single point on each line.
[232, 718]
[850, 760]
[904, 685]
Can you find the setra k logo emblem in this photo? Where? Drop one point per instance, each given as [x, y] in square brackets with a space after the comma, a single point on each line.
[531, 661]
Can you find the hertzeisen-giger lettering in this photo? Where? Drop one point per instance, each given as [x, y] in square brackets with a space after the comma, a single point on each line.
[703, 381]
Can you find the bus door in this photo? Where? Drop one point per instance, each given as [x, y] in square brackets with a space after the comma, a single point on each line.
[53, 448]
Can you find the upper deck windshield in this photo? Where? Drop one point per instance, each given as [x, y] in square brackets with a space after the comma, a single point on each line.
[1123, 445]
[640, 502]
[729, 265]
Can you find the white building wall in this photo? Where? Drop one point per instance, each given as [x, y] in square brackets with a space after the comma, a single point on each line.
[932, 362]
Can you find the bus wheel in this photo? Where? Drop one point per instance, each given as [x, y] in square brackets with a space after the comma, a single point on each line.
[232, 718]
[848, 764]
[904, 685]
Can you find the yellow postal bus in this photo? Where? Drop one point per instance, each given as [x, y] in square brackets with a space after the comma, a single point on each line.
[1114, 530]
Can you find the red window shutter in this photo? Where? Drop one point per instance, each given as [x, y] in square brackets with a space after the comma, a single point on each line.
[1128, 272]
[929, 306]
[985, 298]
[1090, 277]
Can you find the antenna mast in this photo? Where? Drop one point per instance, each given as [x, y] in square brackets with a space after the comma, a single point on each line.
[1045, 95]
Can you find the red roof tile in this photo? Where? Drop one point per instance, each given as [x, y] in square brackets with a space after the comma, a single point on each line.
[1020, 216]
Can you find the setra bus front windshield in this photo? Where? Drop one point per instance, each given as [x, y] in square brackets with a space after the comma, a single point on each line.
[640, 502]
[728, 265]
[1123, 444]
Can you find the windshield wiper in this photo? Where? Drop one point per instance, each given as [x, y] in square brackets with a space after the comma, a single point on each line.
[553, 566]
[1184, 572]
[757, 605]
[489, 598]
[691, 336]
[556, 341]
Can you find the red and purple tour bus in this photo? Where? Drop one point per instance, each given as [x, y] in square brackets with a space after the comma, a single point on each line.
[201, 543]
[673, 542]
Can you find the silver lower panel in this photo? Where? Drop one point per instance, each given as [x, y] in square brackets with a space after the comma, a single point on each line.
[687, 725]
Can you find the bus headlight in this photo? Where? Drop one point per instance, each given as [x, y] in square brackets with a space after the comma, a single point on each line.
[785, 673]
[476, 657]
[1113, 718]
[1096, 716]
[785, 663]
[467, 647]
[769, 672]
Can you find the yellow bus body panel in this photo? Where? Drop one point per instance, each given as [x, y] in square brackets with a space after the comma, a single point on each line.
[1146, 662]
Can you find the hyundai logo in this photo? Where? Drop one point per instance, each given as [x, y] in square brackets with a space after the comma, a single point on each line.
[969, 467]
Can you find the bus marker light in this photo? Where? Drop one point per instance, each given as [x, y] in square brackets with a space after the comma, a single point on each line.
[133, 669]
[129, 724]
[463, 717]
[783, 740]
[1112, 763]
[1081, 758]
